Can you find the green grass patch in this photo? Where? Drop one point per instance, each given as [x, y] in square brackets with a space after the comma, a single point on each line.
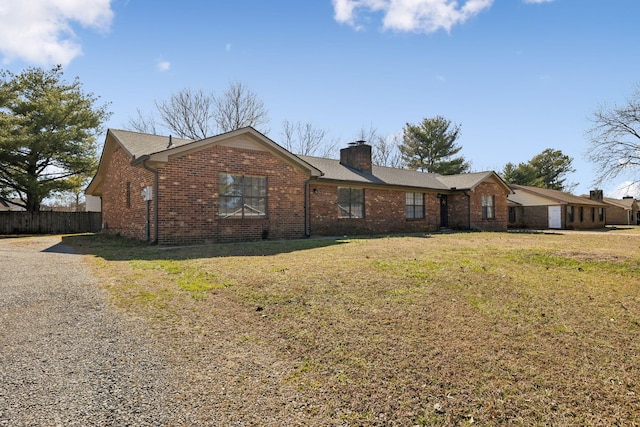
[187, 276]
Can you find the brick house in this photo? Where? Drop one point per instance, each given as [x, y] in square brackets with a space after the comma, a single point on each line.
[625, 211]
[242, 186]
[542, 208]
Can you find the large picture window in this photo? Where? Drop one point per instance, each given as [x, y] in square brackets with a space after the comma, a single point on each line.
[414, 205]
[488, 207]
[243, 196]
[350, 202]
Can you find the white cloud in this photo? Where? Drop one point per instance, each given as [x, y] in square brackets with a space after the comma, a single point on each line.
[411, 15]
[163, 65]
[626, 188]
[40, 31]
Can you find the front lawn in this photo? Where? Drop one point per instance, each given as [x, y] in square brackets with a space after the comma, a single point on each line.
[441, 329]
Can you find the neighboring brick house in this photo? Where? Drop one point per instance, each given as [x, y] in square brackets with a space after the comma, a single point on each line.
[241, 186]
[625, 211]
[541, 208]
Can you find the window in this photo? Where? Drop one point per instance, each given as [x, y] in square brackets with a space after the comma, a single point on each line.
[581, 211]
[488, 208]
[243, 196]
[570, 213]
[593, 214]
[128, 194]
[600, 214]
[350, 202]
[512, 214]
[414, 205]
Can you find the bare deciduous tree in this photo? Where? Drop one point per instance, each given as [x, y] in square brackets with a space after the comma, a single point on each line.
[239, 107]
[143, 124]
[305, 139]
[385, 149]
[188, 113]
[615, 141]
[196, 114]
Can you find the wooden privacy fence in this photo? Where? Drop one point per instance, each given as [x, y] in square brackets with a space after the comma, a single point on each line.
[50, 222]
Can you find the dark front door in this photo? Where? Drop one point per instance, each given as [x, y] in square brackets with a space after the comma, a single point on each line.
[444, 211]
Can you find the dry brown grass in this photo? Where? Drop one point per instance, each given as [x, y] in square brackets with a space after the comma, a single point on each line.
[446, 329]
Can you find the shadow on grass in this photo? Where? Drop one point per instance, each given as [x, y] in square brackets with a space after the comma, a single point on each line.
[116, 248]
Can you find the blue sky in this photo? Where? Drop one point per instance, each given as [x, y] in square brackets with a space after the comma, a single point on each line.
[518, 76]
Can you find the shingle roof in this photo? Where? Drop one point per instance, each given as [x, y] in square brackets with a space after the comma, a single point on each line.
[622, 203]
[381, 175]
[464, 181]
[559, 197]
[140, 144]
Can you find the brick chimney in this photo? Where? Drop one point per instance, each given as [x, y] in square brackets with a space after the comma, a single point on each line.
[595, 195]
[357, 156]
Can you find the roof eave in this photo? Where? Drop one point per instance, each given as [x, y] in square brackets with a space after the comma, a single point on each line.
[161, 157]
[370, 184]
[95, 186]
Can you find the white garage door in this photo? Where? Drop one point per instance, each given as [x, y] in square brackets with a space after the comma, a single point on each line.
[555, 217]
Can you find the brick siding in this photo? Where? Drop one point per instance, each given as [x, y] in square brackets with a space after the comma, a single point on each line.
[384, 212]
[188, 201]
[188, 197]
[500, 220]
[118, 216]
[465, 209]
[537, 217]
[585, 222]
[620, 216]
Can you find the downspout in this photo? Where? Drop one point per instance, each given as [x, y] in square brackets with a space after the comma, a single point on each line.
[155, 198]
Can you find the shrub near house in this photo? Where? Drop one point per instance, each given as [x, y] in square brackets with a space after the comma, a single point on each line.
[241, 186]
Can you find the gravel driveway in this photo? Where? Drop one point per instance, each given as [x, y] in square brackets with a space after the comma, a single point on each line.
[66, 358]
